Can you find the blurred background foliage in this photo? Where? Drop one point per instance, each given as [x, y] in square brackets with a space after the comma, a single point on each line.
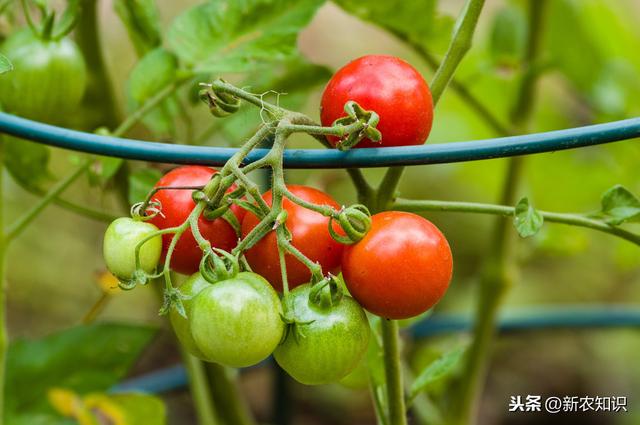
[590, 66]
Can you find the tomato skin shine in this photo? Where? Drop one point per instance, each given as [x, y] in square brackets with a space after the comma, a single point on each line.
[176, 205]
[330, 343]
[48, 79]
[389, 86]
[119, 246]
[310, 234]
[401, 268]
[237, 322]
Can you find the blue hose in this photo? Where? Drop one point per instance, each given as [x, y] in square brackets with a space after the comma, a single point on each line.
[582, 317]
[325, 158]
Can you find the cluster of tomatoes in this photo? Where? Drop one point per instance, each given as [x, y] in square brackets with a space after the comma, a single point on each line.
[399, 269]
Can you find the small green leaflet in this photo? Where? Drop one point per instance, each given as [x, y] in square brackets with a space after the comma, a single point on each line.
[431, 30]
[240, 35]
[619, 205]
[527, 220]
[141, 182]
[142, 20]
[437, 370]
[153, 73]
[5, 64]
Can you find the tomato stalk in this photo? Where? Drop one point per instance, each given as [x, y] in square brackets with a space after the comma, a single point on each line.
[393, 372]
[497, 275]
[4, 337]
[572, 219]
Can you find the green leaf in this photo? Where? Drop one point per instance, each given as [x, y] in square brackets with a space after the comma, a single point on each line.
[83, 359]
[508, 36]
[103, 169]
[141, 18]
[241, 35]
[436, 371]
[527, 220]
[5, 64]
[141, 182]
[431, 31]
[154, 72]
[619, 205]
[27, 162]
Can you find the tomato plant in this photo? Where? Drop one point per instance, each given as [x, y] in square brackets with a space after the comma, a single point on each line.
[48, 80]
[389, 86]
[309, 234]
[401, 268]
[237, 322]
[327, 341]
[241, 246]
[175, 206]
[119, 245]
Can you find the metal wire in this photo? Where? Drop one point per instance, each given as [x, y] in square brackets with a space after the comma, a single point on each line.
[325, 158]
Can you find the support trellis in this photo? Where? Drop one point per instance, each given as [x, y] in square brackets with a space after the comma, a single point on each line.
[602, 316]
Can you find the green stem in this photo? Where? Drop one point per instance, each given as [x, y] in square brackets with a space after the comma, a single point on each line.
[16, 228]
[578, 220]
[393, 372]
[496, 276]
[99, 94]
[200, 391]
[458, 47]
[226, 396]
[77, 208]
[148, 106]
[4, 336]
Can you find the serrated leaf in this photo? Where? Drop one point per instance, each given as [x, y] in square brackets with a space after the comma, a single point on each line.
[431, 31]
[27, 162]
[83, 359]
[141, 182]
[240, 35]
[154, 72]
[436, 370]
[142, 21]
[5, 64]
[103, 169]
[527, 219]
[619, 205]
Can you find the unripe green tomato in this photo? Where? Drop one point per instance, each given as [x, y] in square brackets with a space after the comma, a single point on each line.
[190, 288]
[237, 322]
[48, 80]
[119, 246]
[329, 341]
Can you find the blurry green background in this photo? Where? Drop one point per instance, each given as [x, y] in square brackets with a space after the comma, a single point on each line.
[591, 50]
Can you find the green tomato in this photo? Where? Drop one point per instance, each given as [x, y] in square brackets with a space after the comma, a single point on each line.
[190, 288]
[327, 343]
[237, 322]
[119, 245]
[48, 80]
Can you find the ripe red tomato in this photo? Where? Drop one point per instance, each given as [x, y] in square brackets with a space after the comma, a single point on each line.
[401, 268]
[176, 207]
[389, 86]
[310, 234]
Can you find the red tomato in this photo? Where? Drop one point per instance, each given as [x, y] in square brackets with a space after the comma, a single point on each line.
[401, 268]
[176, 207]
[310, 234]
[389, 86]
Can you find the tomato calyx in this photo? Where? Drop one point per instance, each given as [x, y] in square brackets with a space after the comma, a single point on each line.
[218, 264]
[326, 293]
[220, 103]
[173, 298]
[354, 220]
[368, 120]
